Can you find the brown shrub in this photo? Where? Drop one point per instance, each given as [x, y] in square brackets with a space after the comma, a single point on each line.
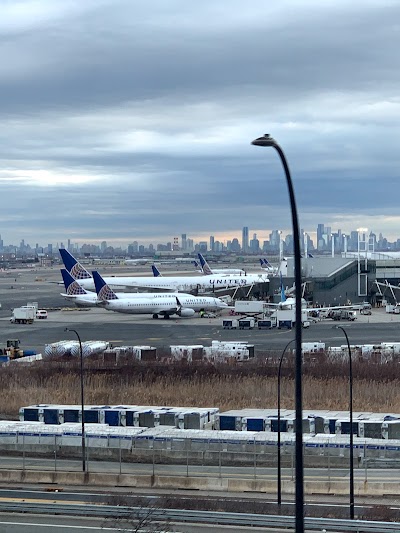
[227, 386]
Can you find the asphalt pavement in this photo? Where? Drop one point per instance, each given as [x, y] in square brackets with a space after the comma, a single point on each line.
[40, 285]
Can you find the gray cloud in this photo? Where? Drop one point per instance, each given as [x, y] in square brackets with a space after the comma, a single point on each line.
[126, 121]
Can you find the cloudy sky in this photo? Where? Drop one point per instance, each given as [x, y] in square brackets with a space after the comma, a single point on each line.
[125, 120]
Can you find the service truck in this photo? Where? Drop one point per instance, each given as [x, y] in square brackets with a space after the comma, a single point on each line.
[23, 315]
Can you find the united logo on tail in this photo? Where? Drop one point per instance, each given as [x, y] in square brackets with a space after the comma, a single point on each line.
[76, 270]
[104, 292]
[72, 287]
[204, 265]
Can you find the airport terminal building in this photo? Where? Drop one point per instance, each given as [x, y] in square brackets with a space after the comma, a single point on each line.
[332, 280]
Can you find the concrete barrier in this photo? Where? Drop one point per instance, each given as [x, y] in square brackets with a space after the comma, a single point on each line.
[212, 483]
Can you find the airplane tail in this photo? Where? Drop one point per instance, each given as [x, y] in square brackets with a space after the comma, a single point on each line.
[73, 266]
[104, 291]
[72, 287]
[156, 272]
[204, 265]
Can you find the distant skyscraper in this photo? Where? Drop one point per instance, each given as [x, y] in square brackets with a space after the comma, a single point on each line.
[235, 246]
[320, 236]
[275, 239]
[103, 246]
[203, 247]
[212, 240]
[254, 244]
[183, 241]
[245, 239]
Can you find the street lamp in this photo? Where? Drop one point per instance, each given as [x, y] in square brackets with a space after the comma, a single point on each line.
[279, 422]
[351, 489]
[267, 140]
[333, 244]
[82, 401]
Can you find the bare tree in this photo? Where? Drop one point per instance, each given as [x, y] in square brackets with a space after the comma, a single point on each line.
[145, 517]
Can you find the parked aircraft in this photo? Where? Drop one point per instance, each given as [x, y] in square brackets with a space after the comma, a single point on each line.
[80, 296]
[171, 283]
[185, 305]
[83, 298]
[221, 271]
[75, 293]
[142, 261]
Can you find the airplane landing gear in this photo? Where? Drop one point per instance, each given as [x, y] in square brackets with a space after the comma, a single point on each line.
[155, 315]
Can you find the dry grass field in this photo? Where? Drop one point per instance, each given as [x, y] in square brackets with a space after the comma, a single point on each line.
[325, 385]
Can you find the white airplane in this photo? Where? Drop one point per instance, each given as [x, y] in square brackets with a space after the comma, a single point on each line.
[206, 270]
[184, 306]
[75, 293]
[290, 303]
[142, 261]
[82, 298]
[171, 283]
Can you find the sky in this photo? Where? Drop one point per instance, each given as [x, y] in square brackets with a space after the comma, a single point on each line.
[125, 121]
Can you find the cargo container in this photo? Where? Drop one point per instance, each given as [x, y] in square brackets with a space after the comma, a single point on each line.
[23, 315]
[246, 323]
[265, 324]
[250, 306]
[230, 323]
[187, 353]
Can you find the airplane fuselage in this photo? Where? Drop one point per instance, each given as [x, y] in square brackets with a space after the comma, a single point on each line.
[165, 305]
[180, 283]
[90, 298]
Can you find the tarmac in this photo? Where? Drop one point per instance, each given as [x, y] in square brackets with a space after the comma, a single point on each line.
[18, 287]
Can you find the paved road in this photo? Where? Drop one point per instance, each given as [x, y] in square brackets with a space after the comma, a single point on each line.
[11, 523]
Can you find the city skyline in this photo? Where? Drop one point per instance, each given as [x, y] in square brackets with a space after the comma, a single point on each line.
[123, 118]
[326, 239]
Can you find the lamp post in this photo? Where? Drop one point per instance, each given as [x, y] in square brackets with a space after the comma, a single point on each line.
[267, 140]
[351, 488]
[333, 244]
[279, 491]
[82, 401]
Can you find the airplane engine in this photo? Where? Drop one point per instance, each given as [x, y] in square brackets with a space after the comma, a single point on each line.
[185, 313]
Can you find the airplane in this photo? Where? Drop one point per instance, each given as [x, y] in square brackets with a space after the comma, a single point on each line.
[184, 306]
[75, 293]
[288, 303]
[136, 261]
[171, 283]
[265, 263]
[267, 267]
[78, 295]
[156, 272]
[205, 268]
[83, 298]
